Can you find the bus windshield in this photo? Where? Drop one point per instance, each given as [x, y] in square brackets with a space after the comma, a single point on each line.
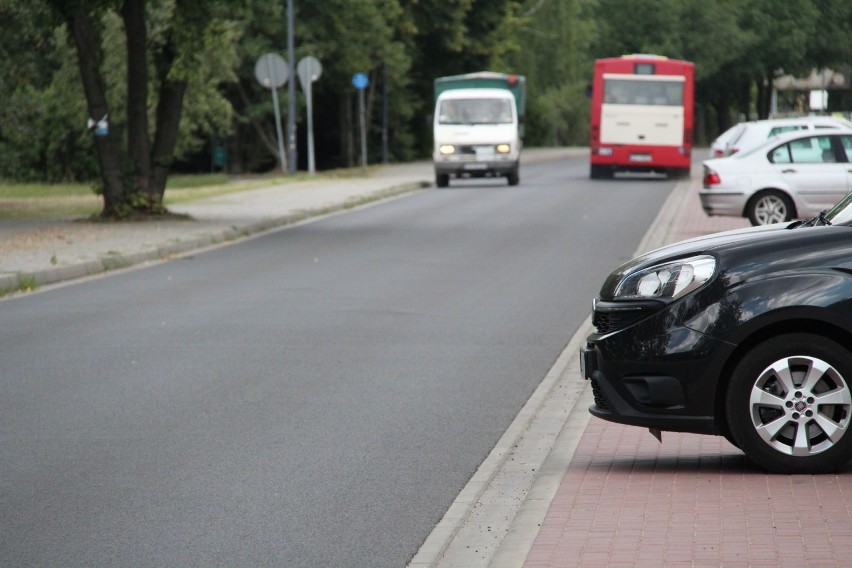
[643, 92]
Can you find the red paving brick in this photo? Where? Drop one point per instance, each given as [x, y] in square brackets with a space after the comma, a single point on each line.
[627, 500]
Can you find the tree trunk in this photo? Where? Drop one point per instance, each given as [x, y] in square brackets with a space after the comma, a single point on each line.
[169, 107]
[169, 110]
[760, 110]
[88, 55]
[138, 139]
[347, 142]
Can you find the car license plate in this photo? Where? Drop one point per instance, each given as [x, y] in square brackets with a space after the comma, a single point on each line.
[640, 157]
[475, 166]
[588, 362]
[484, 153]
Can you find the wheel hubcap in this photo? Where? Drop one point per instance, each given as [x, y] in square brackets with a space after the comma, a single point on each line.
[800, 406]
[770, 210]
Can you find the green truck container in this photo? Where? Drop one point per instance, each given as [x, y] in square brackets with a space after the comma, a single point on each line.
[517, 84]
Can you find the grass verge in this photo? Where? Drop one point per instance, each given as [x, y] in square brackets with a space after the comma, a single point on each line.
[50, 201]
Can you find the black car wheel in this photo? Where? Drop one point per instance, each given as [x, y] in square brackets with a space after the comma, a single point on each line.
[442, 180]
[789, 404]
[768, 208]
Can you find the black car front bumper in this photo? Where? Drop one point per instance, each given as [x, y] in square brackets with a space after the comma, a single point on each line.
[656, 373]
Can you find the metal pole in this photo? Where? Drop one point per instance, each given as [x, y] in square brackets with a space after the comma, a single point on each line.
[384, 114]
[274, 80]
[363, 128]
[291, 91]
[309, 92]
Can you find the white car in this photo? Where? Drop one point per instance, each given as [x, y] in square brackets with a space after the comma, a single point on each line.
[757, 132]
[717, 148]
[796, 175]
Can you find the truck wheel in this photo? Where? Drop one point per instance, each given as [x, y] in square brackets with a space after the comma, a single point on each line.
[442, 180]
[789, 404]
[514, 176]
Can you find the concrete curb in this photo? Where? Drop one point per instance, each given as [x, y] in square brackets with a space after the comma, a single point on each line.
[476, 532]
[11, 282]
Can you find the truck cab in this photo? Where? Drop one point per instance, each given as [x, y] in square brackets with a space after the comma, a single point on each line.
[478, 127]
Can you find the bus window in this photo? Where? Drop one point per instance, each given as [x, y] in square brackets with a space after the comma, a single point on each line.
[641, 92]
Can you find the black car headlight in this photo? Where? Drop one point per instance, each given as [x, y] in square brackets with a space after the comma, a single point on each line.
[667, 281]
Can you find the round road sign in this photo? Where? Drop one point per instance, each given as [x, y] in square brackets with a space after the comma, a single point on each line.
[360, 81]
[271, 70]
[309, 70]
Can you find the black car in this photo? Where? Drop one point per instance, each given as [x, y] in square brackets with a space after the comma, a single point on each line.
[745, 334]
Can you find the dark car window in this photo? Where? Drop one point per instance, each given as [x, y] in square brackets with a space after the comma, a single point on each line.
[847, 146]
[782, 129]
[813, 150]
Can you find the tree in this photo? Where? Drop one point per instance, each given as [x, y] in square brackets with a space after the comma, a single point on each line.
[40, 118]
[164, 41]
[553, 38]
[353, 36]
[782, 29]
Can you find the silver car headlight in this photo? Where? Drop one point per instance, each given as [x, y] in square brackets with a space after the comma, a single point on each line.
[667, 281]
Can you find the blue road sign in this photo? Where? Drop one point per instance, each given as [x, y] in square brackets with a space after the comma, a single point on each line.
[360, 81]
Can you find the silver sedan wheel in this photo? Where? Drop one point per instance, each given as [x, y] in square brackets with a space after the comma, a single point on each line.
[800, 406]
[769, 209]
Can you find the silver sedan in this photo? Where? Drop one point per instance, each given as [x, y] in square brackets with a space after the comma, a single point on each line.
[789, 177]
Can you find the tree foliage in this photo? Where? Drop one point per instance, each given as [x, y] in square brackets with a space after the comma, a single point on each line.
[174, 76]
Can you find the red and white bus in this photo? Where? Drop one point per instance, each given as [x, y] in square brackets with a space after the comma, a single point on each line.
[642, 115]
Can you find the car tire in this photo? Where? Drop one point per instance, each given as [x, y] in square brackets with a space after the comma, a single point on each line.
[789, 404]
[769, 207]
[442, 180]
[514, 177]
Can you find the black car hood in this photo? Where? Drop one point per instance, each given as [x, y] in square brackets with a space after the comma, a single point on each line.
[706, 244]
[712, 241]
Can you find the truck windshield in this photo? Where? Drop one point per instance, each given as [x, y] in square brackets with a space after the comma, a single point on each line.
[475, 111]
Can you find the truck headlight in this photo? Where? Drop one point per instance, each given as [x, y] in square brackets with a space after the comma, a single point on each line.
[667, 281]
[503, 148]
[447, 149]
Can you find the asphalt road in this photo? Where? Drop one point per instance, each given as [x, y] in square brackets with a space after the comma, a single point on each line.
[317, 396]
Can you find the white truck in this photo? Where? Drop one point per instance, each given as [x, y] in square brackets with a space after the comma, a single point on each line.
[478, 126]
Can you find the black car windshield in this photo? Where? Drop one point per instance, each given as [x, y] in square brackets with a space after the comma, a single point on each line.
[841, 214]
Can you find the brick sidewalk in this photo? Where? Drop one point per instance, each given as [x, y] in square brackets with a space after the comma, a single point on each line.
[630, 501]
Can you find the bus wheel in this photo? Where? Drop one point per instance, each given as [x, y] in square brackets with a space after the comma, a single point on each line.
[601, 172]
[442, 180]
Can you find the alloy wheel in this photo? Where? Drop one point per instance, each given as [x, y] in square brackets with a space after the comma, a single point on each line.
[770, 209]
[800, 406]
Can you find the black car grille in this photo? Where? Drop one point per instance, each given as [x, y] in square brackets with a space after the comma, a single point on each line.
[600, 399]
[612, 316]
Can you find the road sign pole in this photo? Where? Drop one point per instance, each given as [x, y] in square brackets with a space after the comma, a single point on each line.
[309, 96]
[291, 91]
[309, 70]
[360, 82]
[362, 113]
[271, 70]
